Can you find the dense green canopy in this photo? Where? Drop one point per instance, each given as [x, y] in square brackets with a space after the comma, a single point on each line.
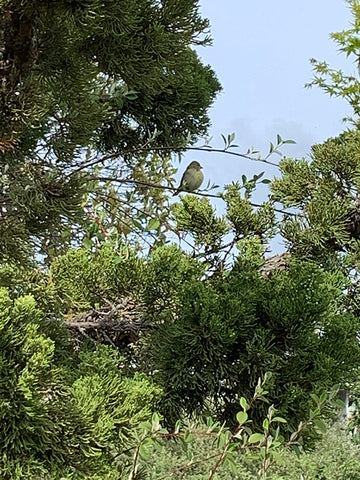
[108, 329]
[81, 80]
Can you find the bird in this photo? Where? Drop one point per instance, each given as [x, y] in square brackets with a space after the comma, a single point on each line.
[191, 179]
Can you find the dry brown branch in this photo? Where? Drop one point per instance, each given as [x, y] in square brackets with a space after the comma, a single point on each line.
[119, 325]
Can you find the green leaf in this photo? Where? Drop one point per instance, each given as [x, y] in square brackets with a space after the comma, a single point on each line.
[119, 101]
[241, 417]
[256, 437]
[156, 417]
[297, 450]
[266, 424]
[153, 224]
[253, 456]
[190, 455]
[155, 422]
[178, 426]
[149, 442]
[145, 451]
[230, 460]
[88, 243]
[244, 403]
[222, 440]
[315, 397]
[145, 426]
[339, 403]
[257, 177]
[131, 95]
[279, 419]
[320, 424]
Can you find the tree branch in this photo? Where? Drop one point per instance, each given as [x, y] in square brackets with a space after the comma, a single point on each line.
[172, 149]
[164, 187]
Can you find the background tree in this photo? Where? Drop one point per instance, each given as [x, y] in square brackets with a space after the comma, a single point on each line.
[84, 79]
[207, 338]
[95, 97]
[62, 415]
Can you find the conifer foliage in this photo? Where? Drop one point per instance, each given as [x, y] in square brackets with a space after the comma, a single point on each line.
[104, 343]
[81, 79]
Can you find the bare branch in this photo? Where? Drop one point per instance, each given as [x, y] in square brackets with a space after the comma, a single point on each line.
[164, 187]
[225, 151]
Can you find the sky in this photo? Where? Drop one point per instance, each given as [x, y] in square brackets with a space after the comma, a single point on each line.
[260, 53]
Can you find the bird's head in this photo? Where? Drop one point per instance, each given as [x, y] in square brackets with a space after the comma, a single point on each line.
[195, 165]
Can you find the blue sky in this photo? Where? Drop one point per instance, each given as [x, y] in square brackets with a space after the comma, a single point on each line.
[261, 53]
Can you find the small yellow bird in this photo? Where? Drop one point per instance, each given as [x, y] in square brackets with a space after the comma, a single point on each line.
[191, 179]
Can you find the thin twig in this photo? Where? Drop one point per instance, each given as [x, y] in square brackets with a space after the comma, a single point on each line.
[170, 149]
[164, 187]
[131, 228]
[231, 438]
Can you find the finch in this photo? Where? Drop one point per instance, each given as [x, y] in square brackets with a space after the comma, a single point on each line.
[191, 179]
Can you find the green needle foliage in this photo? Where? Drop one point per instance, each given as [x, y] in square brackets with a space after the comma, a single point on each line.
[326, 192]
[231, 329]
[85, 79]
[208, 338]
[95, 96]
[61, 417]
[103, 72]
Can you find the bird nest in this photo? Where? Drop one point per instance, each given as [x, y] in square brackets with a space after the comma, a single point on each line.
[117, 324]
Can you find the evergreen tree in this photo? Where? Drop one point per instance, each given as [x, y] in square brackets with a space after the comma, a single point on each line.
[62, 416]
[325, 191]
[207, 338]
[95, 95]
[81, 80]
